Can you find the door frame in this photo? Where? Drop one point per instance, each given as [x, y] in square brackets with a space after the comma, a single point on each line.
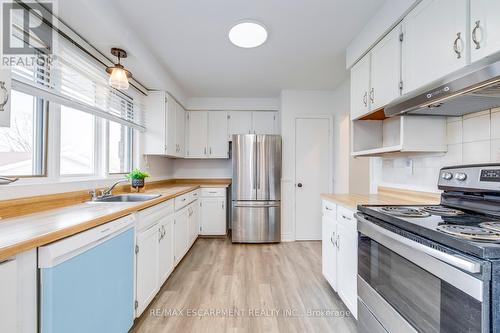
[330, 160]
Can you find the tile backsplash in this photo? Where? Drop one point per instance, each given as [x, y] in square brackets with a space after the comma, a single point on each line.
[473, 138]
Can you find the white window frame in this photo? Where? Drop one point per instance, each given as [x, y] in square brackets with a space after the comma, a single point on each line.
[131, 146]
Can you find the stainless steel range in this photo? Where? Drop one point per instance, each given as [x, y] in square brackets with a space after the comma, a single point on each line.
[433, 268]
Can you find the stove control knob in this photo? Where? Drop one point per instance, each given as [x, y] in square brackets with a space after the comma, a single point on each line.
[460, 176]
[447, 175]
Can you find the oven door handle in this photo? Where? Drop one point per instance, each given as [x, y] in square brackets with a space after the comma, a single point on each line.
[453, 260]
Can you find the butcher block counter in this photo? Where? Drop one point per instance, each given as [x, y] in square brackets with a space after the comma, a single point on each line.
[385, 196]
[27, 231]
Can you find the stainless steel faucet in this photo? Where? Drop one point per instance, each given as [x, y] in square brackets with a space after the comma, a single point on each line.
[107, 192]
[7, 180]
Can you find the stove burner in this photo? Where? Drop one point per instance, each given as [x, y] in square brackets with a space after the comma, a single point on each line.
[442, 211]
[493, 226]
[404, 211]
[470, 232]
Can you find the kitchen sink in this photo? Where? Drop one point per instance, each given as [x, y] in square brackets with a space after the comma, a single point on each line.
[127, 198]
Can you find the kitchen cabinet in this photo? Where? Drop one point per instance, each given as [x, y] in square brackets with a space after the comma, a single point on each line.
[207, 134]
[5, 96]
[194, 222]
[340, 252]
[375, 79]
[165, 248]
[264, 122]
[147, 270]
[18, 290]
[239, 122]
[213, 211]
[435, 41]
[485, 28]
[166, 126]
[181, 234]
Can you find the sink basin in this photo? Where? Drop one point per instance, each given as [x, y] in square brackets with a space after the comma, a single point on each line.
[128, 198]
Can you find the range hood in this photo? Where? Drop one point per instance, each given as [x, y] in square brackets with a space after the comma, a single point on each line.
[473, 88]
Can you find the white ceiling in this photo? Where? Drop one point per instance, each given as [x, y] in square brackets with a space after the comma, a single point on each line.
[188, 40]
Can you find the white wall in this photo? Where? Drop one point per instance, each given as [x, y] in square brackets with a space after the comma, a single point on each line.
[202, 168]
[293, 104]
[473, 138]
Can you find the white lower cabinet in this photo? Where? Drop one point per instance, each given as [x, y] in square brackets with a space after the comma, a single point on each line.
[181, 234]
[213, 212]
[147, 282]
[340, 253]
[18, 293]
[194, 222]
[165, 248]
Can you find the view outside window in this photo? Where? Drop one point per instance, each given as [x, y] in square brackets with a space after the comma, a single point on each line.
[120, 148]
[77, 142]
[22, 144]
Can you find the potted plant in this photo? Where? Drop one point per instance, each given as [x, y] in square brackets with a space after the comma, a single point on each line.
[137, 177]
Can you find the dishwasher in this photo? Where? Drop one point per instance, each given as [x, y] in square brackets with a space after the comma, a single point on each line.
[87, 280]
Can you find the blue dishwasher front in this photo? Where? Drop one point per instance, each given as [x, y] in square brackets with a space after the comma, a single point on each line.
[92, 291]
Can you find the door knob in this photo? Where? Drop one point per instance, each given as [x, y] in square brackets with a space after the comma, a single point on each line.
[299, 185]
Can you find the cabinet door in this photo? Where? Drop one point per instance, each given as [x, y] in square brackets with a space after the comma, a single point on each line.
[181, 234]
[170, 136]
[8, 300]
[434, 41]
[218, 145]
[165, 248]
[180, 130]
[329, 250]
[147, 267]
[385, 70]
[239, 122]
[485, 28]
[197, 134]
[154, 138]
[264, 122]
[194, 221]
[213, 216]
[347, 245]
[360, 86]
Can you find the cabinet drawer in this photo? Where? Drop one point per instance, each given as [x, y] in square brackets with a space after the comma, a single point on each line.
[148, 216]
[182, 201]
[329, 208]
[213, 192]
[194, 195]
[346, 216]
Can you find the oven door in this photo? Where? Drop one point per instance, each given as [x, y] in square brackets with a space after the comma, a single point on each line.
[406, 286]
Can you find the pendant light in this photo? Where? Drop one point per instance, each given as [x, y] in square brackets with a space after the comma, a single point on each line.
[118, 75]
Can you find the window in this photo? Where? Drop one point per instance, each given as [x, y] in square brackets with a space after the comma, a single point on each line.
[78, 137]
[119, 148]
[22, 145]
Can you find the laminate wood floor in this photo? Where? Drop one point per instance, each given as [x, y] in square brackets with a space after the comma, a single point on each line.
[222, 287]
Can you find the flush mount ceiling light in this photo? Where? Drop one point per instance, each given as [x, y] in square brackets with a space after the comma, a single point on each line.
[248, 34]
[118, 75]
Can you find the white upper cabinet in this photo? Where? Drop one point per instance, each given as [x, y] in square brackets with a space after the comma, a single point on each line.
[385, 70]
[239, 122]
[360, 86]
[218, 145]
[197, 134]
[264, 122]
[485, 28]
[434, 41]
[180, 130]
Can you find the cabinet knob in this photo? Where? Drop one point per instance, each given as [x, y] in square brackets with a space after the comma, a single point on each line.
[299, 185]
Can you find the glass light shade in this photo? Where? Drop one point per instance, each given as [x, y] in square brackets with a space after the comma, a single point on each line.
[118, 79]
[248, 34]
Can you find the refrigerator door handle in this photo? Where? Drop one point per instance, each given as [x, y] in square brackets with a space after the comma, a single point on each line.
[256, 165]
[257, 170]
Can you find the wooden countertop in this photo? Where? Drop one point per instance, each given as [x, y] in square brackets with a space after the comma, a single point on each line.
[385, 196]
[18, 234]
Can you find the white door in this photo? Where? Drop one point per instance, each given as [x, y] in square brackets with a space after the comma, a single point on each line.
[181, 234]
[385, 70]
[197, 134]
[264, 122]
[218, 144]
[312, 174]
[434, 41]
[360, 86]
[147, 267]
[165, 248]
[213, 216]
[347, 244]
[485, 28]
[180, 130]
[9, 296]
[239, 122]
[329, 251]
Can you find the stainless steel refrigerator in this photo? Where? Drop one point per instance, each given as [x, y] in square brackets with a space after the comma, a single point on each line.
[256, 189]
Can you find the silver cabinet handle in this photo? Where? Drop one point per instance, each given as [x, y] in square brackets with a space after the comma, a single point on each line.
[223, 205]
[474, 34]
[365, 98]
[347, 218]
[372, 95]
[160, 235]
[457, 50]
[326, 207]
[210, 150]
[6, 95]
[337, 243]
[331, 239]
[205, 151]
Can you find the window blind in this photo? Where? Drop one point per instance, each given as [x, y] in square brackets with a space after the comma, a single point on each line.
[71, 77]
